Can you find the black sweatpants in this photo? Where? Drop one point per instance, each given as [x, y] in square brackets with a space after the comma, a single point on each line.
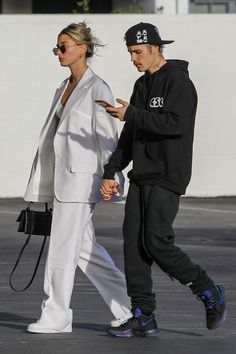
[148, 236]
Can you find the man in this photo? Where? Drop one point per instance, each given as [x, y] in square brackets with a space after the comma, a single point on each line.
[158, 138]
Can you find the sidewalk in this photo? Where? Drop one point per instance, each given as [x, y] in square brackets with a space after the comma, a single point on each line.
[205, 228]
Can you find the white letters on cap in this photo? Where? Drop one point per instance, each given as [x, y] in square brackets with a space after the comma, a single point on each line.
[142, 36]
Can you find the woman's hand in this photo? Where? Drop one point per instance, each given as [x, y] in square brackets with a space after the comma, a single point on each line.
[109, 187]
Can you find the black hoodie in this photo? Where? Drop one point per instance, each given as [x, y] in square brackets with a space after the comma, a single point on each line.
[159, 128]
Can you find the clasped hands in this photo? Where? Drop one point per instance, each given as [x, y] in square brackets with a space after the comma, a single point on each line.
[109, 187]
[118, 112]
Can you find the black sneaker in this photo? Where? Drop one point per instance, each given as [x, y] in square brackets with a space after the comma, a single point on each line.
[138, 325]
[214, 302]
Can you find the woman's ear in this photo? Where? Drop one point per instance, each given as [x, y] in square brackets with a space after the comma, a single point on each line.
[84, 47]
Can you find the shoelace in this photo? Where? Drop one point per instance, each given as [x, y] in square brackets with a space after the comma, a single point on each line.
[208, 302]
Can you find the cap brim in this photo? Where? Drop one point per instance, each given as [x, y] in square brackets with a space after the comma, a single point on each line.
[162, 42]
[166, 42]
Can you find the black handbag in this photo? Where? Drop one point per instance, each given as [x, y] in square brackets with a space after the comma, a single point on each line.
[32, 222]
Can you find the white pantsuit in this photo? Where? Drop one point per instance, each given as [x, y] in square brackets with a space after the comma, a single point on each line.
[67, 170]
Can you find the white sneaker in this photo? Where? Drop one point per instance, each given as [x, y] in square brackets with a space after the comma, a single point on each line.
[121, 320]
[38, 328]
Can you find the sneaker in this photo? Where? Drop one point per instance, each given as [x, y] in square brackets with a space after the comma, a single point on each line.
[214, 302]
[138, 325]
[38, 328]
[121, 320]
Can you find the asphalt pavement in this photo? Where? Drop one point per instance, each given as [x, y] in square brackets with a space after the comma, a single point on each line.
[205, 229]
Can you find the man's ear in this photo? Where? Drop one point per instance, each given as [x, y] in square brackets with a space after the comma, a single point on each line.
[156, 48]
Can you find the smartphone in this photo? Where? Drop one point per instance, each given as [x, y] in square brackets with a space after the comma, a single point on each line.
[103, 103]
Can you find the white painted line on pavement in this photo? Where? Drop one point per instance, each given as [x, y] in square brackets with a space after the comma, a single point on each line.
[9, 212]
[200, 209]
[181, 208]
[208, 210]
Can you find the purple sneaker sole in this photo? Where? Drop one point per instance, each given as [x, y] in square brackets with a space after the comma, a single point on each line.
[131, 333]
[219, 323]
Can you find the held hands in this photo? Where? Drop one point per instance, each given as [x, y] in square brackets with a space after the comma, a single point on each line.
[108, 188]
[118, 112]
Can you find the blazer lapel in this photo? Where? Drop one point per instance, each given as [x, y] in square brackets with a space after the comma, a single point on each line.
[58, 94]
[77, 93]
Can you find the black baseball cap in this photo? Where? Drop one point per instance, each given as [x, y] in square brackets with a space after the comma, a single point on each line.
[144, 33]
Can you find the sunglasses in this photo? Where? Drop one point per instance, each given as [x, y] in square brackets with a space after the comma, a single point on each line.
[62, 48]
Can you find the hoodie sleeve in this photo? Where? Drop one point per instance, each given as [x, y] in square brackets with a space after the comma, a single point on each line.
[179, 104]
[122, 155]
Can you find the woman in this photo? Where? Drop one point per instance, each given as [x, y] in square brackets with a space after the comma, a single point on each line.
[76, 141]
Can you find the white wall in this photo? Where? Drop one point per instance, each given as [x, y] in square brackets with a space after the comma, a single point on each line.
[29, 74]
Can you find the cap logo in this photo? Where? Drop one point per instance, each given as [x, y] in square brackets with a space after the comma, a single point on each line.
[142, 36]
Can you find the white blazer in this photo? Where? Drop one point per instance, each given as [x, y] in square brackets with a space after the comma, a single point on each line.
[70, 157]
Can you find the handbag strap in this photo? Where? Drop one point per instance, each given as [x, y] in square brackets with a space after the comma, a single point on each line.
[18, 260]
[21, 253]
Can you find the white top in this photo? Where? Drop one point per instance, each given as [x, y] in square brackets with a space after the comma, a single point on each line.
[59, 110]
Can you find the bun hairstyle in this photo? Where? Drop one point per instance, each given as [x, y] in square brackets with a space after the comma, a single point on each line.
[82, 34]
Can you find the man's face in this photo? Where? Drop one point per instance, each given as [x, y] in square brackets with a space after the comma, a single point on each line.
[143, 56]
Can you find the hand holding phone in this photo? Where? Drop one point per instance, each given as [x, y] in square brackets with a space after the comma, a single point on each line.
[103, 103]
[115, 112]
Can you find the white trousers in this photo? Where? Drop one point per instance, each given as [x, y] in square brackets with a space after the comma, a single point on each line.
[72, 243]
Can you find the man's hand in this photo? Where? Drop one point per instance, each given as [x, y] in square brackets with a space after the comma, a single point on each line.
[118, 112]
[108, 188]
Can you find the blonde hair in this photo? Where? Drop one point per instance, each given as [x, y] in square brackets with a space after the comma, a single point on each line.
[82, 34]
[161, 47]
